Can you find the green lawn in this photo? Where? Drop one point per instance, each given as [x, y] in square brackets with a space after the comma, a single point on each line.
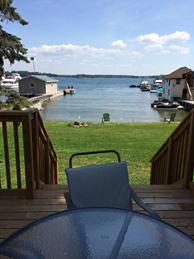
[136, 142]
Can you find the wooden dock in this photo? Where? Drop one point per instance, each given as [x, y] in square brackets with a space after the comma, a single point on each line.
[38, 101]
[175, 205]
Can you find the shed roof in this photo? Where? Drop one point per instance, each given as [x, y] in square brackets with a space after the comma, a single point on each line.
[178, 74]
[43, 78]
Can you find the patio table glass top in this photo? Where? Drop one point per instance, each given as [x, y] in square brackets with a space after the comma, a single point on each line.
[98, 233]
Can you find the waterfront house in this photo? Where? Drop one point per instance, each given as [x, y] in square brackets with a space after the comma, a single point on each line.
[35, 85]
[175, 85]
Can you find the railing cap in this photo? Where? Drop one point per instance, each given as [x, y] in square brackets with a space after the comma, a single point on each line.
[17, 113]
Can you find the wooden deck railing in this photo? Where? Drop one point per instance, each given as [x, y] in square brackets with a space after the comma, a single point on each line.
[174, 161]
[27, 157]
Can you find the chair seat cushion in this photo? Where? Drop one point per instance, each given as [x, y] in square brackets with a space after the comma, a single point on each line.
[104, 185]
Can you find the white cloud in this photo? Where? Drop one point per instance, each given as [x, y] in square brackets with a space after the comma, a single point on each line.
[157, 39]
[135, 53]
[149, 38]
[154, 47]
[178, 35]
[119, 44]
[72, 50]
[180, 49]
[155, 42]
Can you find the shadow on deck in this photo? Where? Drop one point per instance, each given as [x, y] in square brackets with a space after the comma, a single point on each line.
[175, 205]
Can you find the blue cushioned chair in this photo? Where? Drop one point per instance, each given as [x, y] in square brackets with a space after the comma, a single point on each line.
[103, 185]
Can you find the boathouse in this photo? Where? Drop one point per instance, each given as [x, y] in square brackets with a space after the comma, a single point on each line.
[35, 85]
[176, 86]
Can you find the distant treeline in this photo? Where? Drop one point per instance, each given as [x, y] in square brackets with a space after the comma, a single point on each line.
[27, 73]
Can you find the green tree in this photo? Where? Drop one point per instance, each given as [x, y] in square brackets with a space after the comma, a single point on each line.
[11, 47]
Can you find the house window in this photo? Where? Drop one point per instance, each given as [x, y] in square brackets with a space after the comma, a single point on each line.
[169, 82]
[178, 81]
[32, 85]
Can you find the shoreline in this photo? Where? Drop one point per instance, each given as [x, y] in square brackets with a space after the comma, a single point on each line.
[70, 123]
[39, 101]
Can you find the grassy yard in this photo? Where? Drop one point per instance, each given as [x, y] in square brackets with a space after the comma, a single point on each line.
[136, 142]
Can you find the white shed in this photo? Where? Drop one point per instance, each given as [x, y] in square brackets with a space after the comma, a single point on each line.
[35, 85]
[174, 83]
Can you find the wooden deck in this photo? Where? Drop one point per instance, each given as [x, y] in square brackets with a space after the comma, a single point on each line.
[174, 205]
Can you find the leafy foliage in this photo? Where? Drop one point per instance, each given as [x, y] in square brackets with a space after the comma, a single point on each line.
[11, 47]
[12, 100]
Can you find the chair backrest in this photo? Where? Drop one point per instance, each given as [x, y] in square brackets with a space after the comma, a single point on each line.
[104, 185]
[172, 116]
[106, 117]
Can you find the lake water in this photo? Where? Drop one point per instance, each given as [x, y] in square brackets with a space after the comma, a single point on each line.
[95, 96]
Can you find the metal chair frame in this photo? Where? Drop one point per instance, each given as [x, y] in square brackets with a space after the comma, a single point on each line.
[70, 204]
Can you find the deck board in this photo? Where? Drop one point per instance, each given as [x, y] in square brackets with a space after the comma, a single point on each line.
[173, 204]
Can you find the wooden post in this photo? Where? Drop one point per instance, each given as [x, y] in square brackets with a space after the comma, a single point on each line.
[6, 152]
[189, 165]
[39, 156]
[36, 150]
[169, 161]
[152, 177]
[55, 173]
[47, 171]
[189, 91]
[28, 155]
[17, 154]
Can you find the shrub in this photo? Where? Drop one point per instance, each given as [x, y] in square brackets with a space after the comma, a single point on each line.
[14, 100]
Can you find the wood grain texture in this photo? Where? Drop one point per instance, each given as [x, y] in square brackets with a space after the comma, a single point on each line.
[175, 206]
[40, 160]
[173, 162]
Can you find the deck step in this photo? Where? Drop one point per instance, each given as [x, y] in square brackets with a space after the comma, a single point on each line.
[175, 205]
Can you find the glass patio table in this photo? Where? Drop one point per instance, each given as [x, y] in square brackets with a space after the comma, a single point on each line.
[98, 233]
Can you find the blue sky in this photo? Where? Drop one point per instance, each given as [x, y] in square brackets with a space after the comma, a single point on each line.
[139, 37]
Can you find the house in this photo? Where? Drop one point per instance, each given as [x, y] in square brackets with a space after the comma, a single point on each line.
[35, 85]
[175, 84]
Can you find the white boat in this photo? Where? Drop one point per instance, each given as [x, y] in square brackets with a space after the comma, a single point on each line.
[156, 85]
[144, 86]
[153, 88]
[158, 82]
[11, 82]
[144, 82]
[166, 105]
[69, 90]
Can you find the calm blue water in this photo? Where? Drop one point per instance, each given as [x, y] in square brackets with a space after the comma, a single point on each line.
[95, 96]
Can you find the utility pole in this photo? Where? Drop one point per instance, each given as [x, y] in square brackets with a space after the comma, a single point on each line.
[33, 58]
